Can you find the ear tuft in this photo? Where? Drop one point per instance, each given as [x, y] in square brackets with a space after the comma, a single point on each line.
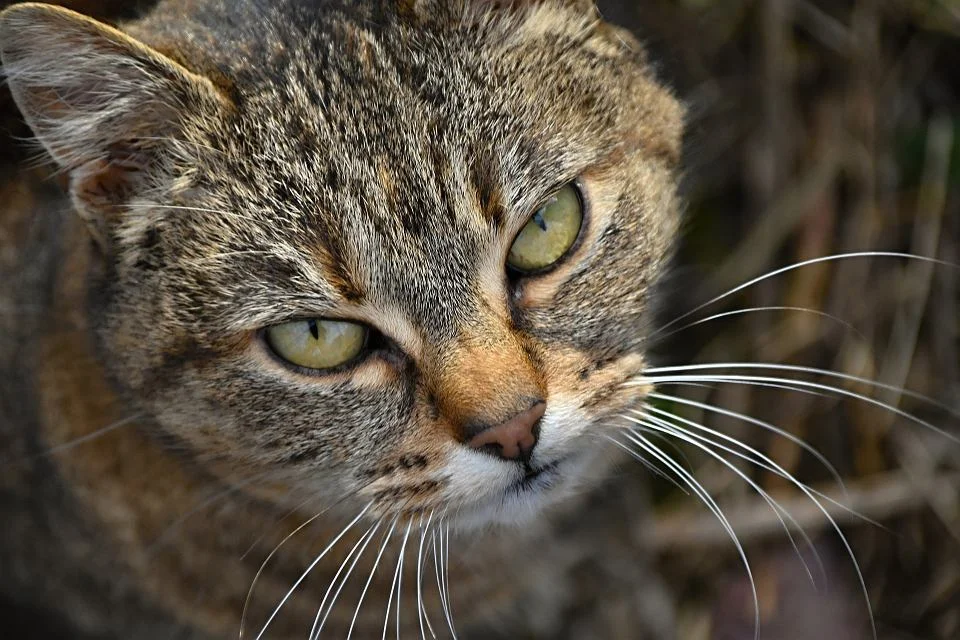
[102, 104]
[83, 86]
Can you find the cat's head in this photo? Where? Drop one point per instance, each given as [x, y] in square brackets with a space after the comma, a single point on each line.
[402, 252]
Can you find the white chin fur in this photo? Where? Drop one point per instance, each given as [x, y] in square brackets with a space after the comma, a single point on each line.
[492, 492]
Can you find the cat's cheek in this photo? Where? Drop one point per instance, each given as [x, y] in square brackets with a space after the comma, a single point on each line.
[592, 383]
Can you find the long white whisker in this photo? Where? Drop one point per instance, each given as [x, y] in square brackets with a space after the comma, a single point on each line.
[809, 370]
[701, 442]
[273, 552]
[649, 465]
[812, 392]
[436, 562]
[448, 610]
[711, 504]
[804, 263]
[396, 583]
[400, 583]
[657, 335]
[743, 379]
[757, 458]
[811, 495]
[762, 385]
[800, 442]
[336, 576]
[734, 414]
[376, 563]
[70, 444]
[286, 515]
[675, 449]
[310, 568]
[367, 537]
[421, 609]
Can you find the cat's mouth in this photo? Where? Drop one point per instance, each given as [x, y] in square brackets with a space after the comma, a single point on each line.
[542, 477]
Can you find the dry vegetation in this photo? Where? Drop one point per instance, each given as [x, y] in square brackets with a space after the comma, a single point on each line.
[818, 128]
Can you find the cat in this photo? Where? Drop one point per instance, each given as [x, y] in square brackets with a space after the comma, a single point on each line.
[316, 277]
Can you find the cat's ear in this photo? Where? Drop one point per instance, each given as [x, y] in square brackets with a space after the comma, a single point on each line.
[102, 104]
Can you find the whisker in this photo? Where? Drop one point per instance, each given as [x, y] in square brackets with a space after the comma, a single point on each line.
[761, 460]
[809, 370]
[806, 490]
[303, 577]
[356, 555]
[376, 563]
[266, 561]
[675, 449]
[70, 444]
[800, 442]
[394, 583]
[448, 606]
[649, 466]
[421, 609]
[436, 564]
[165, 535]
[656, 334]
[778, 510]
[800, 384]
[419, 604]
[805, 263]
[711, 504]
[286, 515]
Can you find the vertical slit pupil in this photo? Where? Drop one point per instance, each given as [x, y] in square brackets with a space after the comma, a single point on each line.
[314, 329]
[539, 221]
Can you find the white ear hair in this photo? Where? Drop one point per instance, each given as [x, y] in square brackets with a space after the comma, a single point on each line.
[82, 85]
[102, 104]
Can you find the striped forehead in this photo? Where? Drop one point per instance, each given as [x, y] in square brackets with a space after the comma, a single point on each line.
[410, 236]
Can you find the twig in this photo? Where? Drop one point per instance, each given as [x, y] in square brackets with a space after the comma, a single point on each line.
[878, 499]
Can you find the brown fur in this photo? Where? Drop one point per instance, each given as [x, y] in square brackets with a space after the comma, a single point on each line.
[237, 165]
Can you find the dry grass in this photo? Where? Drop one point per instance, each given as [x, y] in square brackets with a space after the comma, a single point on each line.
[815, 127]
[819, 128]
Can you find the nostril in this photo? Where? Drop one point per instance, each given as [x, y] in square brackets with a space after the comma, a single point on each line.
[513, 439]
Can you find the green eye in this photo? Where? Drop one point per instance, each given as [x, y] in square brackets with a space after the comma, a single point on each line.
[549, 233]
[317, 344]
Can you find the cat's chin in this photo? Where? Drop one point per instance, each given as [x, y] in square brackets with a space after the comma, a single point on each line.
[526, 497]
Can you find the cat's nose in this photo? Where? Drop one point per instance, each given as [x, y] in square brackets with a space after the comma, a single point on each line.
[513, 439]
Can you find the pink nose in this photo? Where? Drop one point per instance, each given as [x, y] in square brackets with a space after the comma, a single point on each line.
[513, 439]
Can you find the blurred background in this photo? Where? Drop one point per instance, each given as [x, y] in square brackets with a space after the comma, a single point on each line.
[815, 127]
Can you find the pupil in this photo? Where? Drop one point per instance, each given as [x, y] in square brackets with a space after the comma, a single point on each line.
[539, 221]
[314, 329]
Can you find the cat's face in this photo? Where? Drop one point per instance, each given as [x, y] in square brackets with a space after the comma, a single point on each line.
[375, 172]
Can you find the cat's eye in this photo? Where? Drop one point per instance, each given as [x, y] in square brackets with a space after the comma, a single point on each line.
[317, 343]
[549, 233]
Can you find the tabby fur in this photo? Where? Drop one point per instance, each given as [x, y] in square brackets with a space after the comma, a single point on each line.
[222, 166]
